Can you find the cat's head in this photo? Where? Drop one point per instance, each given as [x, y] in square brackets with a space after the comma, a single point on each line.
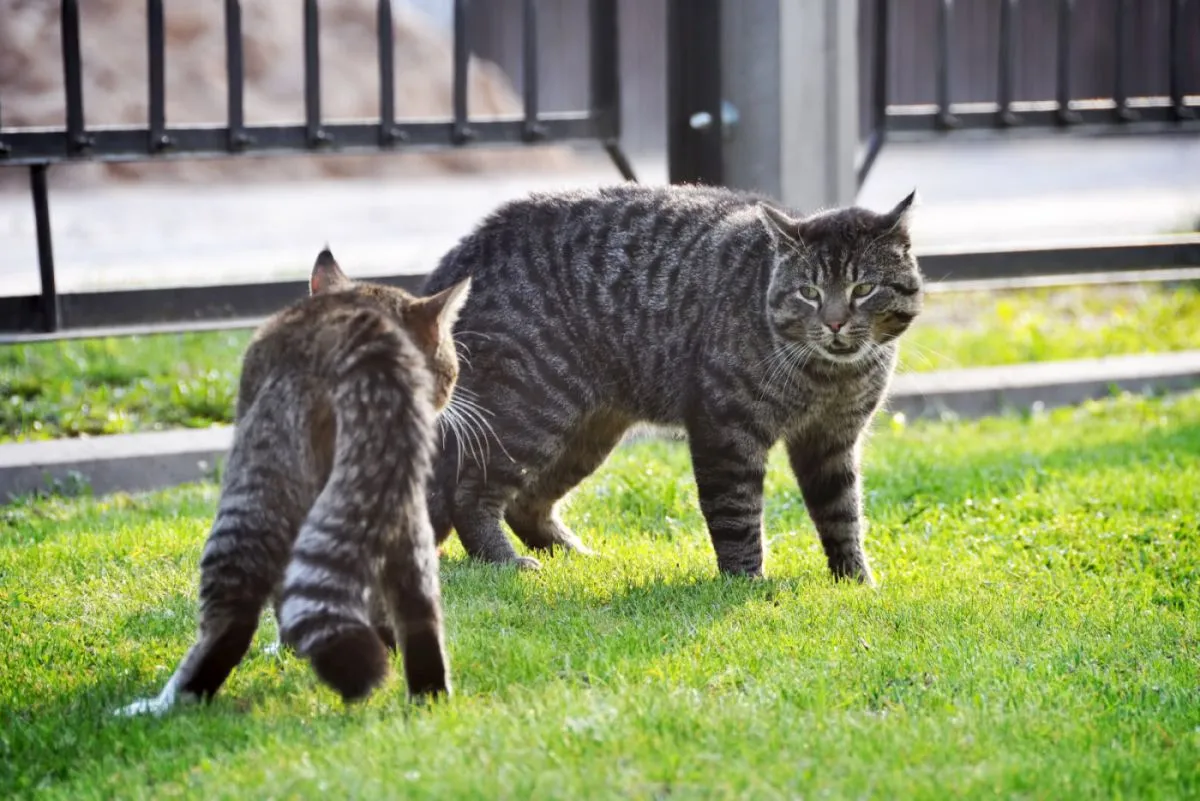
[844, 281]
[430, 321]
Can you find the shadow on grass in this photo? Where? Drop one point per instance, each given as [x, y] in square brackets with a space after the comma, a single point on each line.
[70, 735]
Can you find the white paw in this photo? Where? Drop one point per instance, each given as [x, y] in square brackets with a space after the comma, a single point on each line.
[145, 706]
[164, 701]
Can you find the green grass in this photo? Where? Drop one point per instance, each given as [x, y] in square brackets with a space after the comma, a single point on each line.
[89, 387]
[86, 387]
[1036, 634]
[990, 328]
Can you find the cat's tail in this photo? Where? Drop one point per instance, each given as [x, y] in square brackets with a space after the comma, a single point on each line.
[369, 527]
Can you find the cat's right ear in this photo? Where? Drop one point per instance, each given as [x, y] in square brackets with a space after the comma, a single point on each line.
[327, 276]
[439, 312]
[780, 226]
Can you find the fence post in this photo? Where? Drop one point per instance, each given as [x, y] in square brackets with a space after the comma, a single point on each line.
[788, 76]
[695, 128]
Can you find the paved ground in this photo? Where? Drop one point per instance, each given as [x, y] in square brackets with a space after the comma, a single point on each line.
[974, 193]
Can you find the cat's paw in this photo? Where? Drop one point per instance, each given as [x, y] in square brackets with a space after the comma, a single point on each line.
[158, 705]
[527, 563]
[853, 569]
[575, 545]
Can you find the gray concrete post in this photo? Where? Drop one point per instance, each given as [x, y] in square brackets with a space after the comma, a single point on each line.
[790, 68]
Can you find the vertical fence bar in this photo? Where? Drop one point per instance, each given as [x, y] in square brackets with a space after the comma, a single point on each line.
[156, 80]
[461, 133]
[879, 94]
[1004, 88]
[880, 78]
[944, 15]
[389, 132]
[1120, 58]
[1178, 60]
[695, 152]
[234, 76]
[317, 136]
[1065, 115]
[48, 302]
[78, 139]
[529, 71]
[4, 149]
[605, 86]
[605, 82]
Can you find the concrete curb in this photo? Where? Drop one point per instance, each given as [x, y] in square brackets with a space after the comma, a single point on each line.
[982, 391]
[122, 462]
[153, 460]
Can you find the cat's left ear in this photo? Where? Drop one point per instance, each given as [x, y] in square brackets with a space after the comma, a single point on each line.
[780, 226]
[327, 276]
[897, 220]
[437, 314]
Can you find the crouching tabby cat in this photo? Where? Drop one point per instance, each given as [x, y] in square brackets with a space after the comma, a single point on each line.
[700, 307]
[322, 506]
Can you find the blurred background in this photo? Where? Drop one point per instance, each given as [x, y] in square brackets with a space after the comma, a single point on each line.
[227, 221]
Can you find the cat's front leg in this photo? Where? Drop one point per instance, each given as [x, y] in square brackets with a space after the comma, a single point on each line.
[729, 466]
[826, 464]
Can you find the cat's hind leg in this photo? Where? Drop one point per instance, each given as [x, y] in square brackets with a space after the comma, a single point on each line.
[479, 508]
[411, 587]
[242, 562]
[534, 514]
[257, 517]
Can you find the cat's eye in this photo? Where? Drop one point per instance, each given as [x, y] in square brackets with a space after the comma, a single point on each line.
[862, 290]
[809, 293]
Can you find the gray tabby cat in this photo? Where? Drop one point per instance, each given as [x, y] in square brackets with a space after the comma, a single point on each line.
[700, 307]
[322, 505]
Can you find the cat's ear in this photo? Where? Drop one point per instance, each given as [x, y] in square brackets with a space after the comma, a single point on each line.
[780, 226]
[897, 220]
[326, 275]
[436, 314]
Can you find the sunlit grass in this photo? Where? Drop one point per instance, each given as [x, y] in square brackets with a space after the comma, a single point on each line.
[1036, 634]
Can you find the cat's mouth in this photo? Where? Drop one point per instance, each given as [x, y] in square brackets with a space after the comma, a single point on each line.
[842, 351]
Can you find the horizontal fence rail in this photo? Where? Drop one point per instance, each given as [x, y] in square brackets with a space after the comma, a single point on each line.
[245, 305]
[76, 141]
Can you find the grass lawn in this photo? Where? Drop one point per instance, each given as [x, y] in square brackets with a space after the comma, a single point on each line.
[1036, 634]
[111, 386]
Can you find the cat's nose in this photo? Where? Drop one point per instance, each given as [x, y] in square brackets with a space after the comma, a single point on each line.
[835, 326]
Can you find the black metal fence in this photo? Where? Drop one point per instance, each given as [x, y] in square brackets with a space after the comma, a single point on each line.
[1107, 38]
[912, 76]
[697, 153]
[39, 149]
[1164, 104]
[1166, 107]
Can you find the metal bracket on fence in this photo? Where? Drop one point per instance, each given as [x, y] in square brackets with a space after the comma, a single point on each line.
[703, 120]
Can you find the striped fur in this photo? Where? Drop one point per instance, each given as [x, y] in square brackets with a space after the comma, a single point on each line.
[322, 508]
[700, 307]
